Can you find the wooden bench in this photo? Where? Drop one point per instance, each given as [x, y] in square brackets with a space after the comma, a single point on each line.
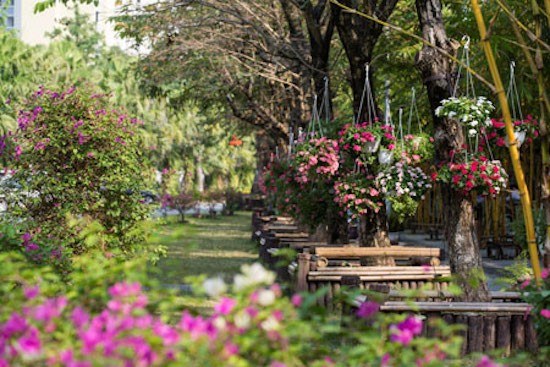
[396, 252]
[313, 273]
[488, 325]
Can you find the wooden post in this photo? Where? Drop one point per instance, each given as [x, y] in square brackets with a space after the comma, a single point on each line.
[475, 333]
[518, 332]
[489, 333]
[503, 334]
[531, 341]
[461, 319]
[303, 270]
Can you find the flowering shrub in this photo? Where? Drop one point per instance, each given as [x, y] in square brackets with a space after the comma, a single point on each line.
[472, 112]
[316, 157]
[357, 193]
[251, 324]
[478, 174]
[539, 299]
[404, 185]
[525, 130]
[74, 154]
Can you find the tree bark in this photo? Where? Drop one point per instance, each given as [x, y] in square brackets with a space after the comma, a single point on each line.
[437, 72]
[359, 36]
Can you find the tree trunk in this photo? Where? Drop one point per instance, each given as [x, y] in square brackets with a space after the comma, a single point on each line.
[359, 37]
[460, 233]
[373, 232]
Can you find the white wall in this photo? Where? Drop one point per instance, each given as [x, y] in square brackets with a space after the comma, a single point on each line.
[33, 27]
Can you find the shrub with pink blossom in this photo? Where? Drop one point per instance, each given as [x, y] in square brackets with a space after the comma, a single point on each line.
[74, 154]
[116, 322]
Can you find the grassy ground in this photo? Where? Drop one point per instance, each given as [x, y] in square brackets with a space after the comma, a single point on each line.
[210, 246]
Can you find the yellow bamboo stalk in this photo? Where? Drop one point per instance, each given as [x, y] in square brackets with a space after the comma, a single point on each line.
[513, 148]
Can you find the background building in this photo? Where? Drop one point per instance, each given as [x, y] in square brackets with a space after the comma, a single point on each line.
[32, 28]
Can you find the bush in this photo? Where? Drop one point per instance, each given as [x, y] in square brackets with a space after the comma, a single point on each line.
[107, 317]
[73, 154]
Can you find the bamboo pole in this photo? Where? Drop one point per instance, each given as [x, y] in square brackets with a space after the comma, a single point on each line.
[513, 148]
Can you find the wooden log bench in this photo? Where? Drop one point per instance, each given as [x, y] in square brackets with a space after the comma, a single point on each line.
[487, 326]
[430, 254]
[313, 273]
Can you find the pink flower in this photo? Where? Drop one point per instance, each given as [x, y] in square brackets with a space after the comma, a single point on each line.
[15, 324]
[367, 309]
[225, 305]
[544, 274]
[31, 292]
[545, 313]
[404, 332]
[90, 155]
[525, 283]
[230, 349]
[79, 317]
[486, 362]
[296, 300]
[385, 362]
[30, 342]
[357, 148]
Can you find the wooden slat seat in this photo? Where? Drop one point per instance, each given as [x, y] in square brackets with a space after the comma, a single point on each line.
[393, 251]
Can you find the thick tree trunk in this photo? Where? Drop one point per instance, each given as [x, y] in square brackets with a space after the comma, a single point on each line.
[437, 69]
[359, 37]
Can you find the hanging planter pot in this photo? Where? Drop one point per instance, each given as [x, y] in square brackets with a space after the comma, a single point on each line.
[385, 156]
[372, 146]
[519, 136]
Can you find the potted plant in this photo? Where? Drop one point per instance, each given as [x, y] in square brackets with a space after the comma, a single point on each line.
[478, 174]
[473, 113]
[404, 185]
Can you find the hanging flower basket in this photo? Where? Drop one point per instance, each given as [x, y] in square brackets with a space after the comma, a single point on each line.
[357, 194]
[519, 137]
[524, 130]
[315, 159]
[385, 156]
[371, 147]
[478, 174]
[362, 140]
[473, 113]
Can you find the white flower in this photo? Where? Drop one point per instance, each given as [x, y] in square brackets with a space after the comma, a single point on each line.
[253, 275]
[219, 323]
[438, 110]
[473, 123]
[214, 286]
[451, 114]
[472, 132]
[270, 324]
[266, 297]
[242, 320]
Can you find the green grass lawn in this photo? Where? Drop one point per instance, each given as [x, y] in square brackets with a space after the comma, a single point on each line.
[210, 246]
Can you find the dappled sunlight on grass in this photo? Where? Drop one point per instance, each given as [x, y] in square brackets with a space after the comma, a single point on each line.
[210, 246]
